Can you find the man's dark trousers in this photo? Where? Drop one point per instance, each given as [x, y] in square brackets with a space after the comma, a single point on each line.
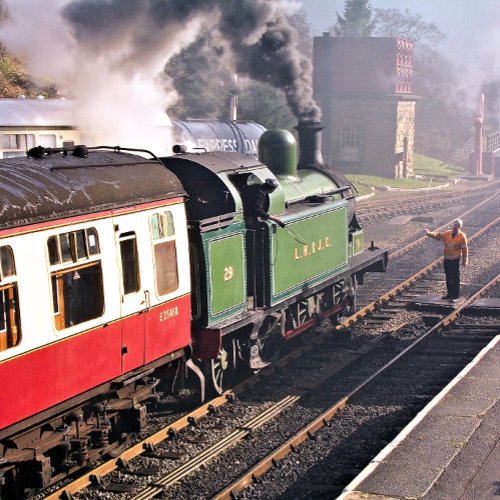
[452, 273]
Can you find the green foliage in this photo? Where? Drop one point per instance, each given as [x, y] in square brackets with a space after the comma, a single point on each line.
[299, 21]
[397, 24]
[4, 12]
[429, 172]
[13, 81]
[266, 105]
[356, 21]
[443, 122]
[201, 81]
[380, 182]
[429, 167]
[204, 82]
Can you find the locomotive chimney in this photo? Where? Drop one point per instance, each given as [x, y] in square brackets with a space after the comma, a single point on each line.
[310, 144]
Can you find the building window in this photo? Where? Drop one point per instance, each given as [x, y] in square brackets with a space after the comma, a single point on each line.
[10, 331]
[47, 140]
[130, 263]
[18, 141]
[14, 154]
[76, 274]
[351, 141]
[165, 253]
[352, 137]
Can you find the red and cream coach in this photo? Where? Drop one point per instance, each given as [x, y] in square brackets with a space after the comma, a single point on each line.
[94, 285]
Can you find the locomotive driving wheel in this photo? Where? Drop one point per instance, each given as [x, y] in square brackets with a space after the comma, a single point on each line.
[219, 372]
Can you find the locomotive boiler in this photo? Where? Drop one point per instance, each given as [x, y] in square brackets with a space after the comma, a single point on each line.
[114, 266]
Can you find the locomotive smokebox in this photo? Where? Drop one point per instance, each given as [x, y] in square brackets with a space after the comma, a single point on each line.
[310, 144]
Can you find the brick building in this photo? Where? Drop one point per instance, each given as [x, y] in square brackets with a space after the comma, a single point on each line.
[364, 88]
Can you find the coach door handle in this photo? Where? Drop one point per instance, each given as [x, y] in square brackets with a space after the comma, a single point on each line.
[146, 301]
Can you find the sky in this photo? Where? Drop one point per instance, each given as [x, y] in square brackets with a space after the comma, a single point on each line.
[472, 27]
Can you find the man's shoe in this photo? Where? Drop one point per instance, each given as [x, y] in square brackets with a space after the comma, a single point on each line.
[446, 297]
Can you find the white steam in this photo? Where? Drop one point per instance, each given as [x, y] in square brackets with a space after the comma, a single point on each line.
[109, 55]
[117, 103]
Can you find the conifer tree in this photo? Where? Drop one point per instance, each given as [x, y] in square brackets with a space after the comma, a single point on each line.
[356, 21]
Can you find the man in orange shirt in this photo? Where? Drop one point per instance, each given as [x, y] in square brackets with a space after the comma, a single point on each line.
[455, 246]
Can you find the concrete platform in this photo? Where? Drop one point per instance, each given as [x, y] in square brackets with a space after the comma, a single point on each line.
[451, 450]
[433, 303]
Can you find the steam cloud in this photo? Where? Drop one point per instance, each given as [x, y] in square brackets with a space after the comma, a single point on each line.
[140, 34]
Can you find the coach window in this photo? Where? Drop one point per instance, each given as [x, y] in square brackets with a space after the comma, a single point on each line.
[76, 274]
[10, 332]
[130, 263]
[165, 253]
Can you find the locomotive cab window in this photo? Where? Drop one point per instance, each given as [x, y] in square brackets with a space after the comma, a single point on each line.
[76, 275]
[10, 332]
[165, 253]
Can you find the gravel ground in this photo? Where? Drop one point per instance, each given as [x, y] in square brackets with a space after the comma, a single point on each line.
[392, 234]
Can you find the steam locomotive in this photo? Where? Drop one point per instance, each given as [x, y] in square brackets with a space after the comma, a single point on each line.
[114, 265]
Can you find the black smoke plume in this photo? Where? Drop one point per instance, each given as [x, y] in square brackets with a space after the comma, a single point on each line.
[262, 42]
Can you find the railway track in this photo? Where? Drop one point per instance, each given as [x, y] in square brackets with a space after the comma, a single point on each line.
[228, 410]
[370, 210]
[446, 343]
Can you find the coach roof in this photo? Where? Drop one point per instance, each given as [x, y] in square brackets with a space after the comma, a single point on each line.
[56, 186]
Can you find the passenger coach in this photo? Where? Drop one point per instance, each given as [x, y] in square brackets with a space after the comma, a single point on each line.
[94, 283]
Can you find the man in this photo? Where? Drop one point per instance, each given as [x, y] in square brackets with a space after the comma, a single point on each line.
[256, 201]
[455, 246]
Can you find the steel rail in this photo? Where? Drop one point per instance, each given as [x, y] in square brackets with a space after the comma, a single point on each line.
[413, 244]
[235, 437]
[264, 465]
[390, 207]
[372, 306]
[207, 408]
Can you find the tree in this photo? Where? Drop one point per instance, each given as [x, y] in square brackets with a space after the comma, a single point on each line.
[394, 23]
[266, 105]
[357, 19]
[14, 81]
[299, 21]
[4, 12]
[203, 78]
[201, 81]
[12, 78]
[442, 124]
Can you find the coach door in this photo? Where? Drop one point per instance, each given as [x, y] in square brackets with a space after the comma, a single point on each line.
[134, 294]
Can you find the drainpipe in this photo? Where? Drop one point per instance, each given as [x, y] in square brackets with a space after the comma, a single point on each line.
[478, 137]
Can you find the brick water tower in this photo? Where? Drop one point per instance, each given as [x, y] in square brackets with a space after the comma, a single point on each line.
[364, 88]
